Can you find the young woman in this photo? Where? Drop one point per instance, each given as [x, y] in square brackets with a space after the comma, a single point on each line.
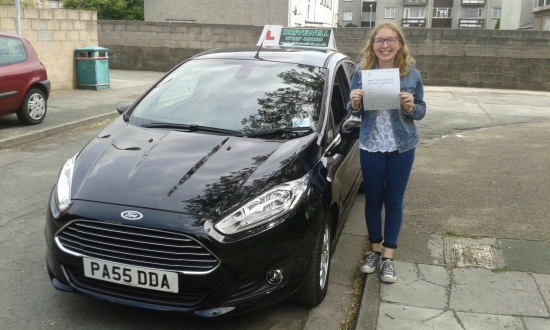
[387, 140]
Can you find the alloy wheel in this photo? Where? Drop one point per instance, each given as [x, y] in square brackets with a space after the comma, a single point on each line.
[36, 106]
[325, 259]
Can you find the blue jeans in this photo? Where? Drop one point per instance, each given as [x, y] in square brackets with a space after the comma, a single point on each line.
[385, 177]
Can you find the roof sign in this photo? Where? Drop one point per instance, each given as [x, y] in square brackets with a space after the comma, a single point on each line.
[284, 37]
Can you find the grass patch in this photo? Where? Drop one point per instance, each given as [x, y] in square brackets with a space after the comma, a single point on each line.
[502, 270]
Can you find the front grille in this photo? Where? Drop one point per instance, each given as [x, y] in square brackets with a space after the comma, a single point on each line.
[137, 246]
[185, 298]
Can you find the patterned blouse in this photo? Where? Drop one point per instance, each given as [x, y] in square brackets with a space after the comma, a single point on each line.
[382, 138]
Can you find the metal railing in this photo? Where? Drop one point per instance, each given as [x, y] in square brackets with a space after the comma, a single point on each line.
[471, 23]
[473, 2]
[415, 2]
[413, 22]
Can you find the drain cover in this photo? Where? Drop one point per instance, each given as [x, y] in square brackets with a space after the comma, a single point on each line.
[479, 256]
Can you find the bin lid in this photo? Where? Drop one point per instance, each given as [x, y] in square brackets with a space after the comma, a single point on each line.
[91, 49]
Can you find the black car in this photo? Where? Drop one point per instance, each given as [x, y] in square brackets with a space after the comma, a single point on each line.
[220, 190]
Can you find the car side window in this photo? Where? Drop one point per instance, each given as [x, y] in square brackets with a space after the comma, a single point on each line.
[349, 67]
[12, 51]
[340, 91]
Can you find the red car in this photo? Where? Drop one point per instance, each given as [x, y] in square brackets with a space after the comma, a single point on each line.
[24, 84]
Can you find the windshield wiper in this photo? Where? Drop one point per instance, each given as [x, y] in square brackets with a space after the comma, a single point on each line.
[281, 131]
[193, 128]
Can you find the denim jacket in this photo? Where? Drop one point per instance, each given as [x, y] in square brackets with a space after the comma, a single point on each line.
[404, 129]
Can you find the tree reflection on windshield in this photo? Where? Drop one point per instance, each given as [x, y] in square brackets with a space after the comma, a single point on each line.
[297, 104]
[248, 96]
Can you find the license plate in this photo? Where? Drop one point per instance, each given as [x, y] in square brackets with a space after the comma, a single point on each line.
[130, 275]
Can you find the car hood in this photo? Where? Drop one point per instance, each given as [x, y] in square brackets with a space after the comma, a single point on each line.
[194, 173]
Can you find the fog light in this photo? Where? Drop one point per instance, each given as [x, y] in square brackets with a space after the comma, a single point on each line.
[274, 277]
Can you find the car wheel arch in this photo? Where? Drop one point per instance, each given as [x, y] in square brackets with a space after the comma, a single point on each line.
[41, 87]
[312, 292]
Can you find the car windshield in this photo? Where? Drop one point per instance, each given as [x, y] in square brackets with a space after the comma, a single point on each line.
[248, 96]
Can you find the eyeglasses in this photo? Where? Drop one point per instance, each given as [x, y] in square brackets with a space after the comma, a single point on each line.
[389, 41]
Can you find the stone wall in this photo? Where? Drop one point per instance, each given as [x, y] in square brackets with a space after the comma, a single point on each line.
[446, 57]
[160, 46]
[470, 57]
[54, 34]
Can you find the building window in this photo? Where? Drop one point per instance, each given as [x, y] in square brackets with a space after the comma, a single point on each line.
[326, 3]
[390, 12]
[496, 12]
[414, 12]
[542, 3]
[55, 4]
[472, 13]
[443, 12]
[348, 16]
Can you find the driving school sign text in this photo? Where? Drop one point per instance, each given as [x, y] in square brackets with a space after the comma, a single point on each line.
[305, 37]
[277, 36]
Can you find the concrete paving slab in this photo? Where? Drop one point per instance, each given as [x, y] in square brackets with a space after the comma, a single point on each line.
[526, 256]
[418, 285]
[536, 323]
[543, 283]
[399, 317]
[505, 293]
[329, 314]
[421, 248]
[473, 321]
[345, 261]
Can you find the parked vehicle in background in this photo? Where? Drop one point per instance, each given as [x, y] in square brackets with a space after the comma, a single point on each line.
[24, 84]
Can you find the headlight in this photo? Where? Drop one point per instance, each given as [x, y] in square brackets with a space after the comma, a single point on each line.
[64, 185]
[265, 208]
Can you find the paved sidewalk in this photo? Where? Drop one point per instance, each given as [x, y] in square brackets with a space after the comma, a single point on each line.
[469, 283]
[474, 252]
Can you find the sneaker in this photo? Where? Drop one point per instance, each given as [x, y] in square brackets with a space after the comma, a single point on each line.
[371, 262]
[387, 271]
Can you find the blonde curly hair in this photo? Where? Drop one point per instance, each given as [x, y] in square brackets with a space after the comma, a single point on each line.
[402, 59]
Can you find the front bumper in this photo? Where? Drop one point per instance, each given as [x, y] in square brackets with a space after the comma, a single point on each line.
[237, 284]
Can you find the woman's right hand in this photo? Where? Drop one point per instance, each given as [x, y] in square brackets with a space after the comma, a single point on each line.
[356, 96]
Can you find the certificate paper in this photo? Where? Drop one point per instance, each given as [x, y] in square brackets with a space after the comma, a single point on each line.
[381, 89]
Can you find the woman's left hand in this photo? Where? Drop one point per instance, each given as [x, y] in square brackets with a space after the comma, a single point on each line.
[407, 101]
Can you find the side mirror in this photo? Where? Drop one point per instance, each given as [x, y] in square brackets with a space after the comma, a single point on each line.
[122, 108]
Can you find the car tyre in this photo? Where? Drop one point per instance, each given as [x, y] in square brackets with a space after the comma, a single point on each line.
[315, 287]
[34, 107]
